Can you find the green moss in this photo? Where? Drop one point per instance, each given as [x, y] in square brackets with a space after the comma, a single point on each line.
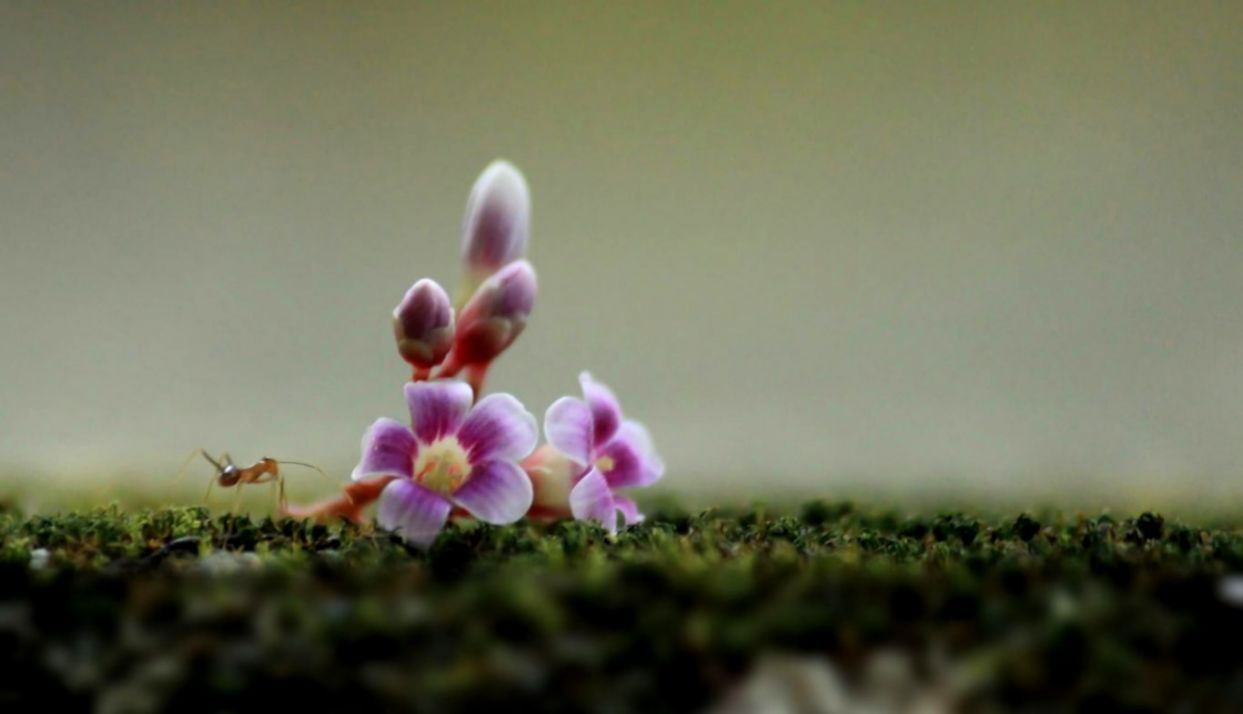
[174, 608]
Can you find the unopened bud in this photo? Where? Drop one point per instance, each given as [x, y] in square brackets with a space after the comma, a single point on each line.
[423, 325]
[552, 476]
[493, 317]
[497, 224]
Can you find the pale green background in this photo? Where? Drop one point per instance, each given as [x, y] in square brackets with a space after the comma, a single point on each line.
[818, 247]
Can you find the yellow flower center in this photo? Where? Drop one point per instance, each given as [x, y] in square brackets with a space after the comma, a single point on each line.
[605, 464]
[442, 466]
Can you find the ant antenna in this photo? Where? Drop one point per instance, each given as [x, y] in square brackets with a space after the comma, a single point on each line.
[304, 465]
[186, 464]
[200, 452]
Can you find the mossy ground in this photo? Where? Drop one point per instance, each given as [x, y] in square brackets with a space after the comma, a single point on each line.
[168, 610]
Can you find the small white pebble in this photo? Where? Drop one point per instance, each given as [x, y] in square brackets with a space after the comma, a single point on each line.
[1230, 590]
[39, 558]
[226, 563]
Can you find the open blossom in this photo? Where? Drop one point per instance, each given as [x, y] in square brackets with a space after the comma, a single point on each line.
[455, 456]
[496, 227]
[592, 453]
[423, 325]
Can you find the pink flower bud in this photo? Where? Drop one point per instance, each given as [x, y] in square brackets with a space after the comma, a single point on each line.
[423, 325]
[552, 475]
[497, 224]
[493, 317]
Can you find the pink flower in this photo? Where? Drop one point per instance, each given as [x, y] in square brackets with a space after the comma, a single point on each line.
[456, 455]
[593, 452]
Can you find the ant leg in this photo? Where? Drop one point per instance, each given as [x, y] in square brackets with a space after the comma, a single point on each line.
[231, 515]
[237, 503]
[278, 494]
[277, 480]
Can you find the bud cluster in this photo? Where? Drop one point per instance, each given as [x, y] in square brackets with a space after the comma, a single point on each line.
[496, 293]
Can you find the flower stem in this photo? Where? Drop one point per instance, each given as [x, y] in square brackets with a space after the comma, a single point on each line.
[350, 504]
[451, 366]
[475, 376]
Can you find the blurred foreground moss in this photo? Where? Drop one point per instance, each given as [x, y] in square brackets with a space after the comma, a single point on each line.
[176, 609]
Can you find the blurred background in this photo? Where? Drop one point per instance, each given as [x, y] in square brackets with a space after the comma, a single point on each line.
[839, 249]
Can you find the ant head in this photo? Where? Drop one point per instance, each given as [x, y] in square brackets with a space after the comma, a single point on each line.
[229, 476]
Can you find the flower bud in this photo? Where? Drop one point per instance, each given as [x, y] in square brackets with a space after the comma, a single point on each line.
[423, 325]
[493, 317]
[497, 224]
[552, 476]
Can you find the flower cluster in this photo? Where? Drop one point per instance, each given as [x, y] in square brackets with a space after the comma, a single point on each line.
[470, 455]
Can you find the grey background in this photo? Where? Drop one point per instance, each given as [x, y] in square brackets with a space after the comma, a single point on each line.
[817, 247]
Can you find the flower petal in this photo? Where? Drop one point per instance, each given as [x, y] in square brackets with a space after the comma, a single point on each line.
[413, 512]
[437, 408]
[592, 500]
[497, 492]
[642, 439]
[388, 449]
[606, 412]
[568, 427]
[628, 509]
[637, 434]
[628, 461]
[498, 428]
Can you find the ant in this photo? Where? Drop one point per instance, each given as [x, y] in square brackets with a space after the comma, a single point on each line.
[265, 470]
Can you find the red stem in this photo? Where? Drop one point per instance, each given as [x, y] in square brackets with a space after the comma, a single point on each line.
[475, 376]
[451, 366]
[350, 504]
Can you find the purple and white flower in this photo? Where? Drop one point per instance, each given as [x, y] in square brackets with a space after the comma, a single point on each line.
[599, 452]
[455, 456]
